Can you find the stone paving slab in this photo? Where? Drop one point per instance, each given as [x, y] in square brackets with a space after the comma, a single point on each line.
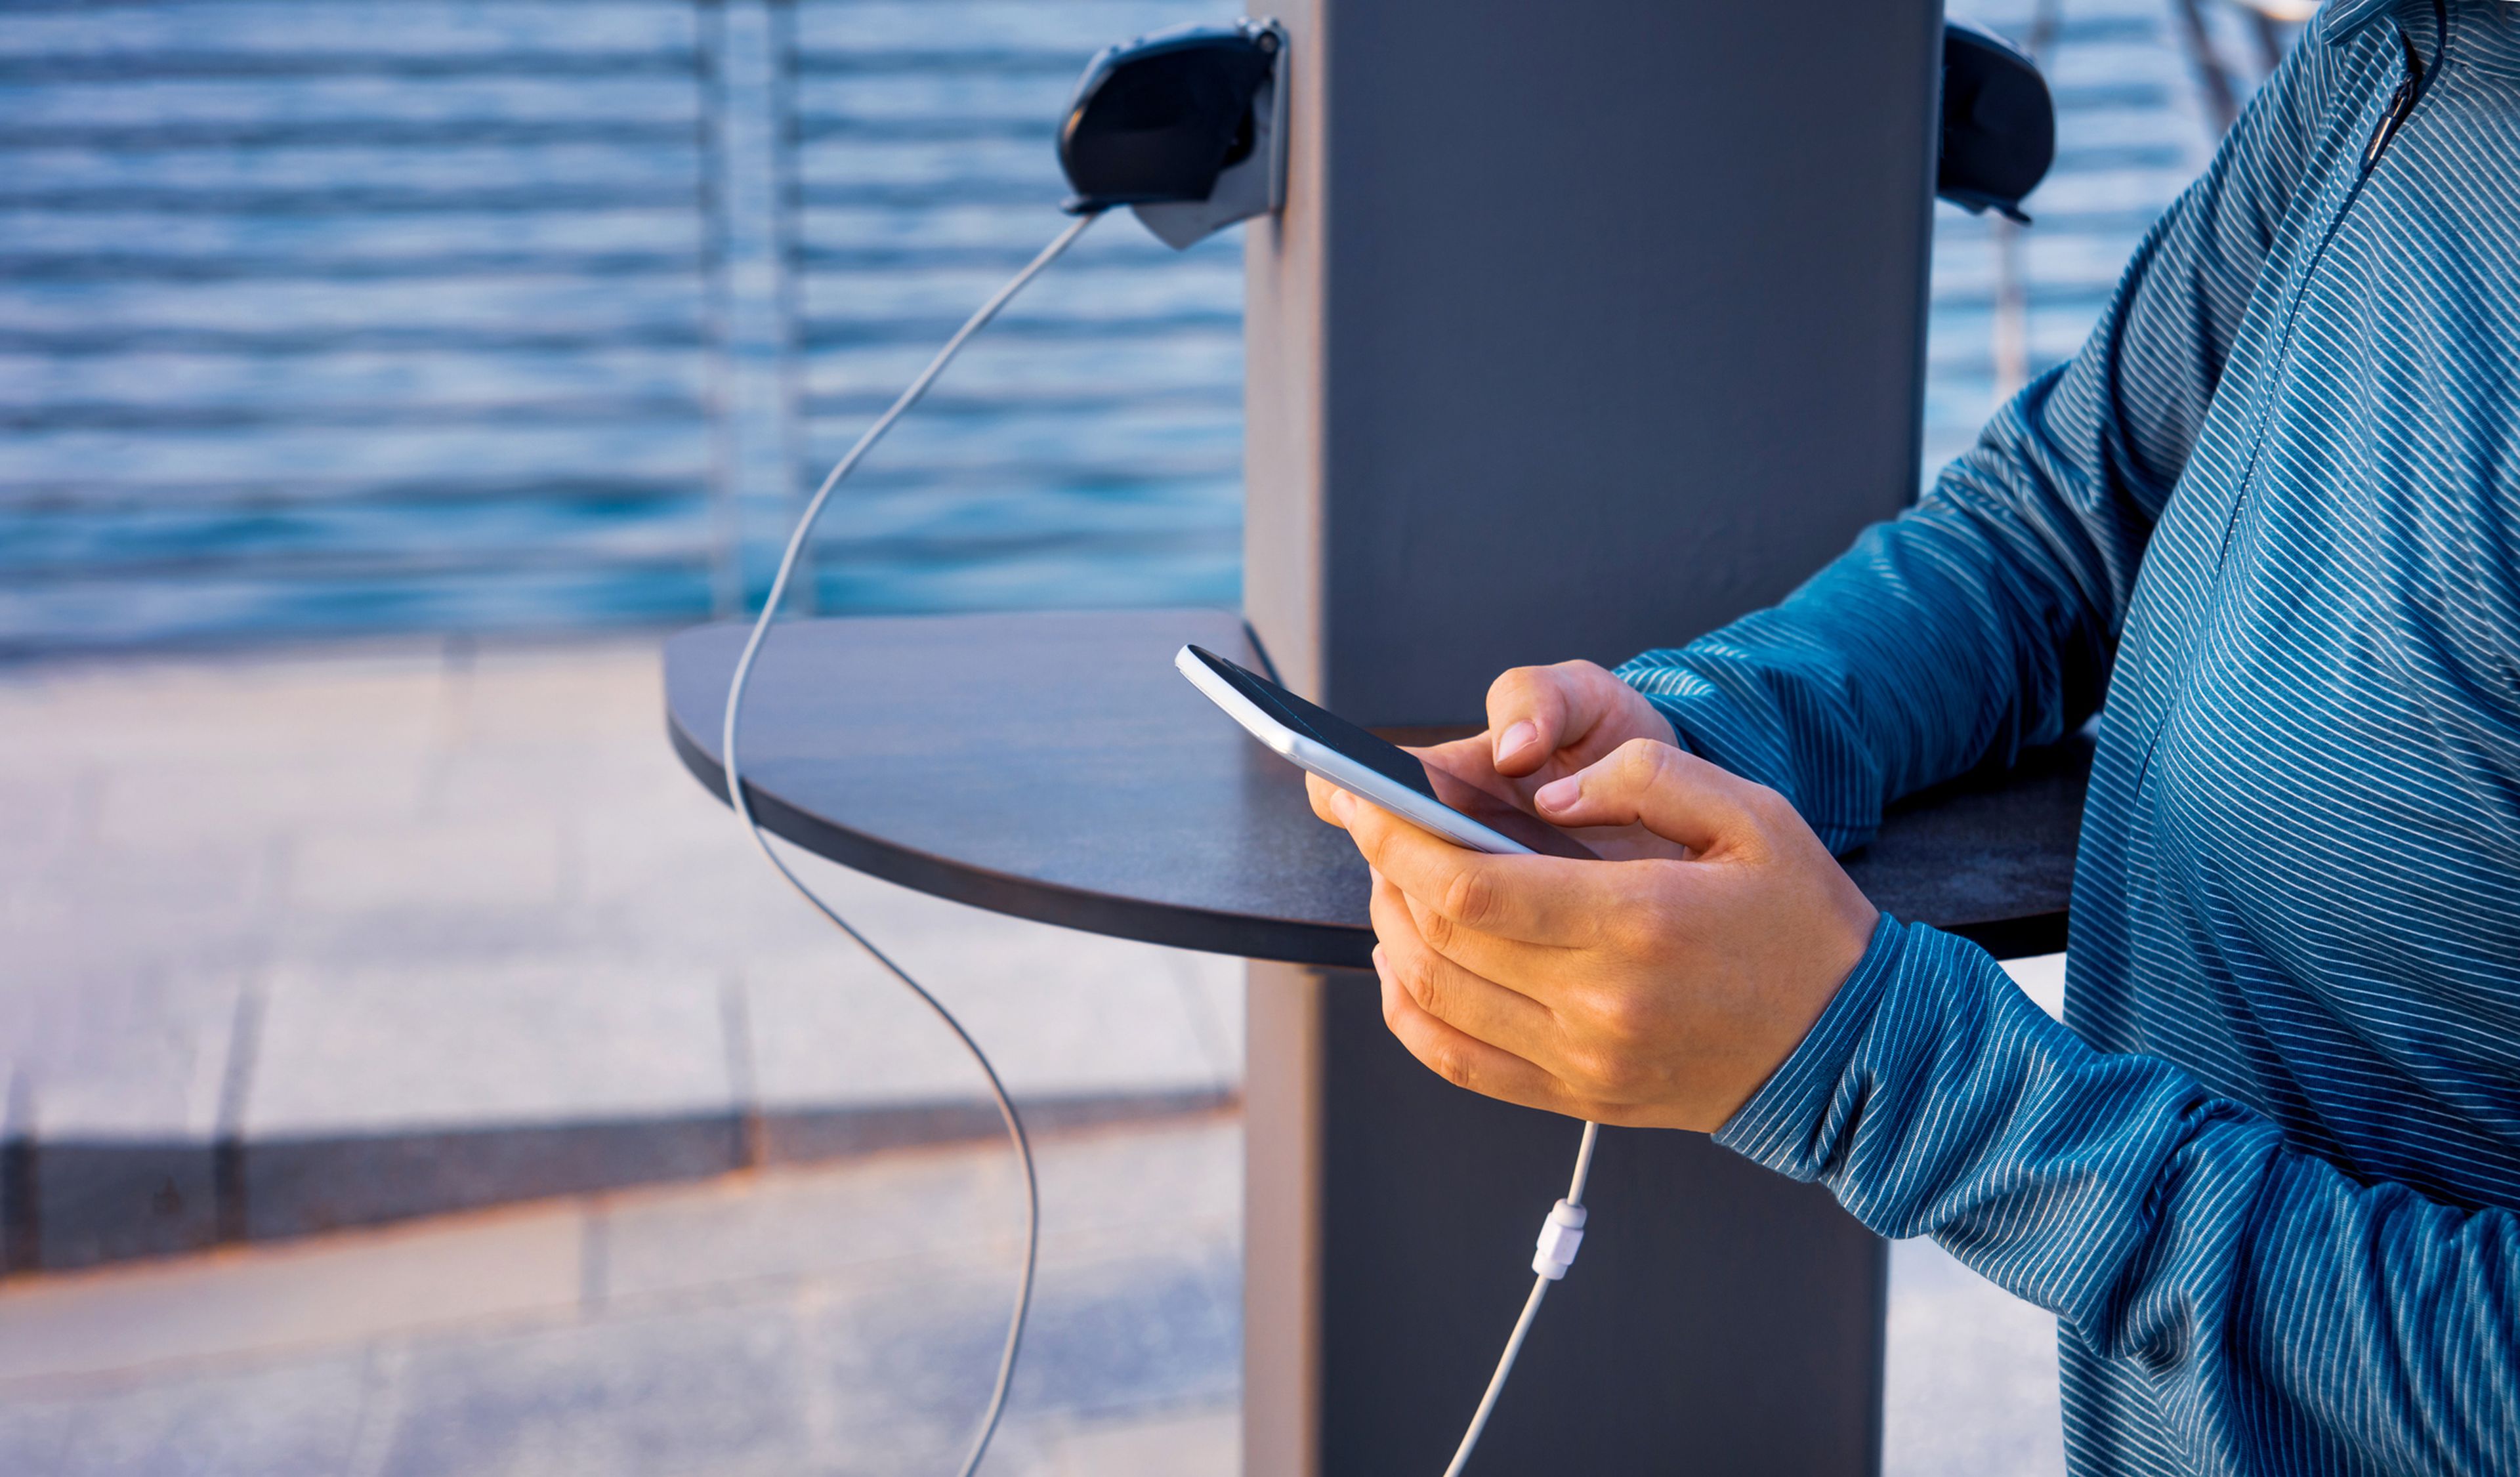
[826, 1318]
[302, 940]
[299, 1421]
[537, 1039]
[816, 1320]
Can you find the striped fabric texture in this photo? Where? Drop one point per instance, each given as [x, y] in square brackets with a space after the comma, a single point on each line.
[2272, 512]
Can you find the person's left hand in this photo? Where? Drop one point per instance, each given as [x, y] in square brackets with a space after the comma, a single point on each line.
[1659, 992]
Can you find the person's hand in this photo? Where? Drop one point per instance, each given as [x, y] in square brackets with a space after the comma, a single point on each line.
[1543, 724]
[1660, 991]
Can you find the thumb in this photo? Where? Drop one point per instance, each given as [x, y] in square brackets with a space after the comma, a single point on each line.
[1669, 792]
[1535, 711]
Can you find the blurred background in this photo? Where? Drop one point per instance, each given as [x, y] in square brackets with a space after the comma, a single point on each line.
[408, 1069]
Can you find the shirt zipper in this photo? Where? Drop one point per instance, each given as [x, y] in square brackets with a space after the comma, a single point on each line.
[2400, 103]
[2410, 88]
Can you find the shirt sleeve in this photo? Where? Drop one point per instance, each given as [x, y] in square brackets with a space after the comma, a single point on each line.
[1984, 619]
[2294, 1318]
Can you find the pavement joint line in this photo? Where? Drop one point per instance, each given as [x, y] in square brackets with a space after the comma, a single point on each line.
[801, 1140]
[969, 1259]
[19, 1231]
[228, 1143]
[595, 1255]
[734, 1009]
[382, 1386]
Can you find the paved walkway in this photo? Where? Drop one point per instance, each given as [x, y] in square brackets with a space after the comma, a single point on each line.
[831, 1319]
[819, 1319]
[312, 940]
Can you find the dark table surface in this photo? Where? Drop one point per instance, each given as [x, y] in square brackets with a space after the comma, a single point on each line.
[1053, 766]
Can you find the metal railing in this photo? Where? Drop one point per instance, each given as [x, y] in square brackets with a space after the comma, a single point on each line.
[326, 315]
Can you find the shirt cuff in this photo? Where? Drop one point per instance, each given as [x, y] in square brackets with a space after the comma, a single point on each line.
[1701, 717]
[1783, 1125]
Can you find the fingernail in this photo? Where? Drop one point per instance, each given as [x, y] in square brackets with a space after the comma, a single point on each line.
[1378, 966]
[1557, 794]
[1514, 740]
[1342, 804]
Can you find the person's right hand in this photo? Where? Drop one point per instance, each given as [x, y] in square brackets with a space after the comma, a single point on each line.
[1543, 724]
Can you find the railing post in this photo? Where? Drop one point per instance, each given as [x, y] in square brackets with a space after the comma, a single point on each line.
[749, 162]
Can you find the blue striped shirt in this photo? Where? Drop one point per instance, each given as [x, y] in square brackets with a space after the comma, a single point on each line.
[2265, 1172]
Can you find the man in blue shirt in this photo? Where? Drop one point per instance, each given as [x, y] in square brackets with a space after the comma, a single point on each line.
[2272, 511]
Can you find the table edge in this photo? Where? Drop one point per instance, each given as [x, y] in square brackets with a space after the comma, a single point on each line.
[1207, 930]
[1173, 925]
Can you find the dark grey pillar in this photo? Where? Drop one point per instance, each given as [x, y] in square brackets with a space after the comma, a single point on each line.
[1588, 326]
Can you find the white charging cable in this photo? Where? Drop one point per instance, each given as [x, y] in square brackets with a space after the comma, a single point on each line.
[743, 803]
[1559, 1238]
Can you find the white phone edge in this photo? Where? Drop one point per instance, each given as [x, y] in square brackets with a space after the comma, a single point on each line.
[1340, 770]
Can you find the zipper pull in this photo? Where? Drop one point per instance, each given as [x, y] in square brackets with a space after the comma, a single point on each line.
[2400, 103]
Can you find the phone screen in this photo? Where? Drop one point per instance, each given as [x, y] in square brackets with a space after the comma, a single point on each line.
[1496, 812]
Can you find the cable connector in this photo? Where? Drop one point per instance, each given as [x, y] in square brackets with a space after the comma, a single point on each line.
[1559, 1236]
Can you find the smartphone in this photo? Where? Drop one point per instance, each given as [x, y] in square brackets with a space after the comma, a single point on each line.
[1370, 768]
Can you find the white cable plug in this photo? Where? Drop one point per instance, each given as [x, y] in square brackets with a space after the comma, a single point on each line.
[743, 803]
[1559, 1238]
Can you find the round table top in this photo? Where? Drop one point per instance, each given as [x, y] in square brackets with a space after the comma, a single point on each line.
[1053, 766]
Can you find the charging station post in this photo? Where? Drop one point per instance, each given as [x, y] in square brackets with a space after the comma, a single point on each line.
[1586, 328]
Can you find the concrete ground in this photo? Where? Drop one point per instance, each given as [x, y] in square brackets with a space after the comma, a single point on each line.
[301, 941]
[826, 1318]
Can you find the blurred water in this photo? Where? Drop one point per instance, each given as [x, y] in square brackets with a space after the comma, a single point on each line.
[335, 315]
[342, 315]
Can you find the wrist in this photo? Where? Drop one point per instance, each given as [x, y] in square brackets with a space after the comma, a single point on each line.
[1778, 1123]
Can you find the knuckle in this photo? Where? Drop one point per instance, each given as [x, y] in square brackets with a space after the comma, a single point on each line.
[1449, 1062]
[1469, 898]
[1511, 683]
[1647, 920]
[1614, 1070]
[1596, 1073]
[1771, 809]
[1526, 692]
[1588, 1061]
[1616, 1018]
[1640, 763]
[1424, 982]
